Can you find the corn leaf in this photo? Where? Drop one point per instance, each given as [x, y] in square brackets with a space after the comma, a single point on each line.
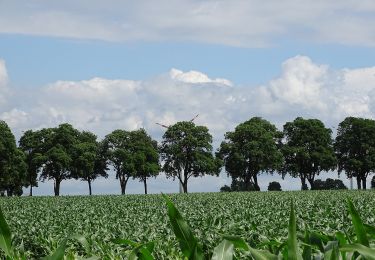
[224, 251]
[5, 236]
[188, 243]
[292, 245]
[358, 225]
[366, 252]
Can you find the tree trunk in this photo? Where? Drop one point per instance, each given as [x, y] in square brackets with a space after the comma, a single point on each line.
[247, 182]
[31, 186]
[358, 182]
[184, 186]
[303, 182]
[56, 187]
[89, 182]
[123, 181]
[256, 186]
[311, 182]
[364, 183]
[145, 184]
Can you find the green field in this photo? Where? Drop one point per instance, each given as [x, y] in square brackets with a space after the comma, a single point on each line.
[39, 224]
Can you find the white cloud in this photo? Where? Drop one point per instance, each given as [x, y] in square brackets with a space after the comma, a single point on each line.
[303, 88]
[253, 23]
[3, 81]
[196, 77]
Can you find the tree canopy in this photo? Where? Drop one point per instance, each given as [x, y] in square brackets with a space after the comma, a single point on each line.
[89, 161]
[186, 152]
[252, 148]
[308, 149]
[146, 156]
[355, 148]
[57, 149]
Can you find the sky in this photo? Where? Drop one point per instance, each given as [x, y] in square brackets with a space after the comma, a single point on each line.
[106, 65]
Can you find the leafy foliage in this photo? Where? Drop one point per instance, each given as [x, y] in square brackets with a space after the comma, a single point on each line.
[355, 148]
[256, 223]
[186, 151]
[88, 159]
[308, 149]
[329, 184]
[12, 163]
[252, 148]
[274, 186]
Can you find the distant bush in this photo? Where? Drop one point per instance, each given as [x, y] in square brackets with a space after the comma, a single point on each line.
[274, 186]
[225, 188]
[329, 184]
[237, 185]
[373, 183]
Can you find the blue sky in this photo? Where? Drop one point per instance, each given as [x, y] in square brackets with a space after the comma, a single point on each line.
[120, 64]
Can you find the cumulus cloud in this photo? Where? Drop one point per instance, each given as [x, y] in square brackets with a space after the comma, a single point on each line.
[3, 81]
[303, 88]
[254, 23]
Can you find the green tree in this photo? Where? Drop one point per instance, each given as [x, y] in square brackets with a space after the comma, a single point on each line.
[31, 143]
[373, 182]
[274, 186]
[308, 150]
[12, 163]
[186, 151]
[89, 161]
[57, 151]
[17, 176]
[251, 149]
[355, 148]
[119, 153]
[146, 156]
[7, 149]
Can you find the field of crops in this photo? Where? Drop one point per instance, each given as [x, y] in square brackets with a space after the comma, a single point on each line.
[39, 224]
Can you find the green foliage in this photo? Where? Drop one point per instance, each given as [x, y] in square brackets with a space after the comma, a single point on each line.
[251, 149]
[188, 243]
[329, 184]
[355, 148]
[89, 160]
[12, 167]
[31, 144]
[56, 149]
[308, 149]
[324, 225]
[186, 151]
[146, 156]
[274, 186]
[132, 154]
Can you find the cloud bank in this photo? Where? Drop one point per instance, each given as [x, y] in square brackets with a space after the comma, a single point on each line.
[253, 23]
[303, 88]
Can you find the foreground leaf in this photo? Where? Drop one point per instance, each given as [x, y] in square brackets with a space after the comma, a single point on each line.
[224, 251]
[59, 253]
[188, 243]
[292, 245]
[238, 242]
[358, 225]
[368, 253]
[5, 236]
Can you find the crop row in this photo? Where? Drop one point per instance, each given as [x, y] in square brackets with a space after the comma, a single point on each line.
[40, 224]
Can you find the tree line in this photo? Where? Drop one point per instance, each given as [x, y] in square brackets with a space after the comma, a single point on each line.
[303, 149]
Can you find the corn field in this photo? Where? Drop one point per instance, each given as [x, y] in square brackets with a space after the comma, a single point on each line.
[252, 225]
